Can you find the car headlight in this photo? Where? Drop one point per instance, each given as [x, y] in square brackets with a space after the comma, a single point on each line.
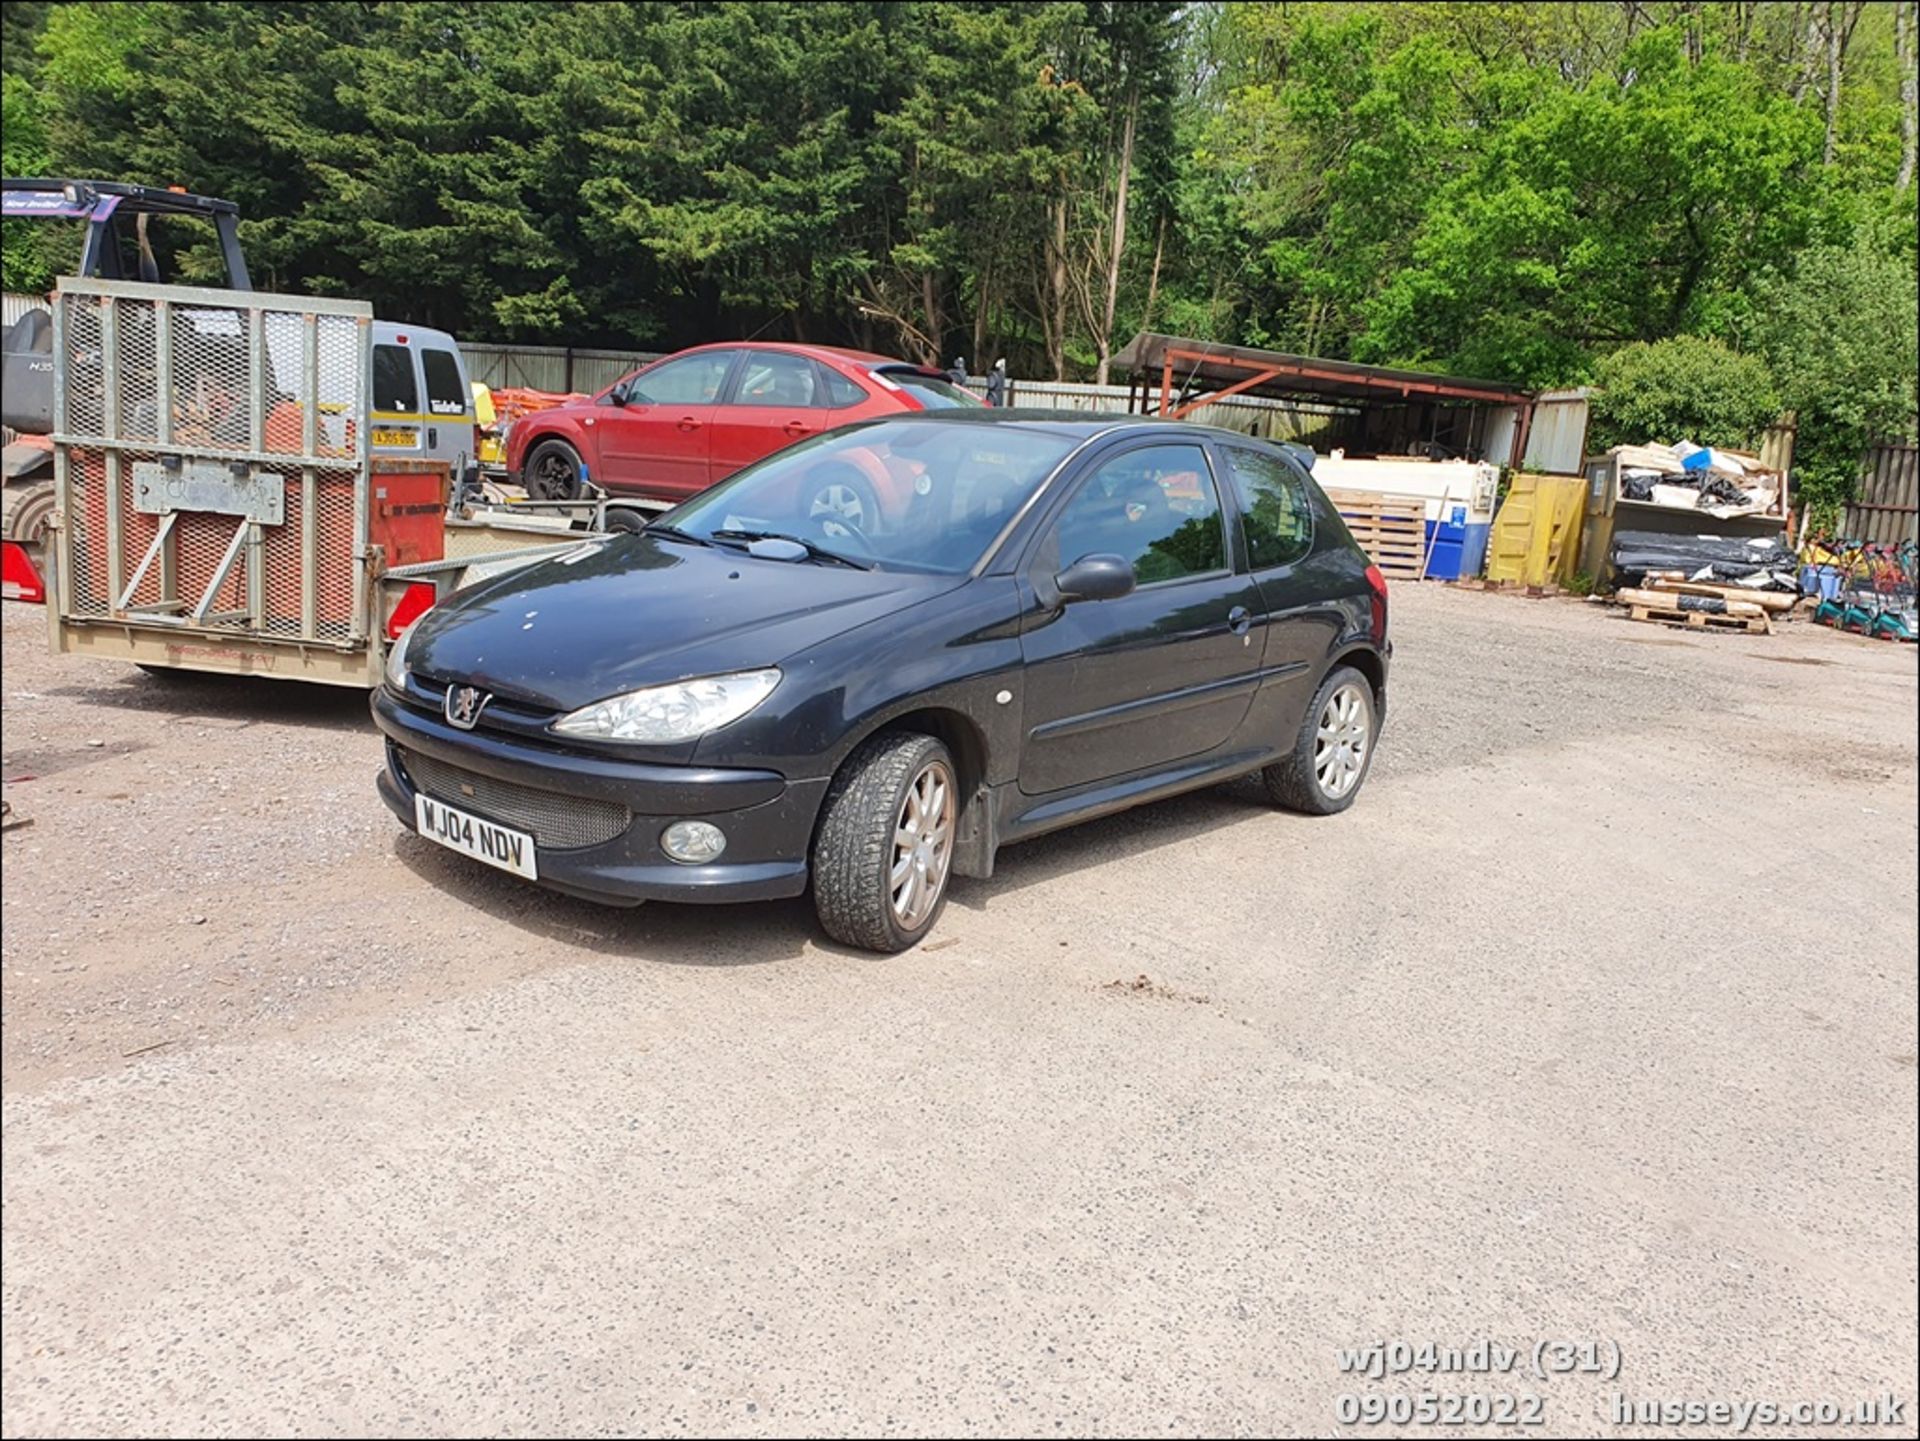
[397, 657]
[663, 714]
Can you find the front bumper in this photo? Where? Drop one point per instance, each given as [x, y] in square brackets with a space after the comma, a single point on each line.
[768, 820]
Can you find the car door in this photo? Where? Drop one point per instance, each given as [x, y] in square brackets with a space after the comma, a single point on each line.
[654, 436]
[449, 415]
[1300, 616]
[776, 398]
[398, 426]
[1114, 687]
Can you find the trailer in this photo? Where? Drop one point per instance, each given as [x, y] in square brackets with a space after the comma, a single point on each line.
[219, 503]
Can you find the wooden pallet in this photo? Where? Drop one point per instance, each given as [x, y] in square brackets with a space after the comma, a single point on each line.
[1391, 529]
[1702, 620]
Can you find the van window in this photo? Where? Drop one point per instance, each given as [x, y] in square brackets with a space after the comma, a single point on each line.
[445, 393]
[393, 387]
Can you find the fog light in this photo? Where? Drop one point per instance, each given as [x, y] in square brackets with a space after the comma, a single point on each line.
[693, 843]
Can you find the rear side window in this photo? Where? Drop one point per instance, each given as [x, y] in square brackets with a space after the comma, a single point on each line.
[931, 391]
[772, 377]
[1275, 514]
[445, 393]
[840, 390]
[393, 387]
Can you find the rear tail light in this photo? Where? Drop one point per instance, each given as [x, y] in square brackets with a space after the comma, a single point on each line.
[415, 602]
[19, 578]
[1377, 583]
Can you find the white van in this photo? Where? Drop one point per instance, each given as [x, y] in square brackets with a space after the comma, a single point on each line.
[422, 403]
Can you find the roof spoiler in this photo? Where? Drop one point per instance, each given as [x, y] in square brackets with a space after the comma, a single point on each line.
[1302, 453]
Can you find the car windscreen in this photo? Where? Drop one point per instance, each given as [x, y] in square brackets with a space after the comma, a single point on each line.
[932, 391]
[921, 495]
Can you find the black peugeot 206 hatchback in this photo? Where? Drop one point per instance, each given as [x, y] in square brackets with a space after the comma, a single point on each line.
[873, 659]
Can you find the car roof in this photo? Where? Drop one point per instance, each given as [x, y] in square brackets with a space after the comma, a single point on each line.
[1080, 424]
[793, 347]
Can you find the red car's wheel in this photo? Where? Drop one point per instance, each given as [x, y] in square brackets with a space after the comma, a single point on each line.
[553, 472]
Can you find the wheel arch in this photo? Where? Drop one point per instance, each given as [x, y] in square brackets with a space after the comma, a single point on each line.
[1366, 660]
[966, 741]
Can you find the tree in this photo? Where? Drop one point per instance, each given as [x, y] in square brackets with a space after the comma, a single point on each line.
[1635, 209]
[1837, 328]
[1685, 388]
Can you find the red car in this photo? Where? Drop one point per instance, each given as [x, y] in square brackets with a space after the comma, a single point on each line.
[691, 419]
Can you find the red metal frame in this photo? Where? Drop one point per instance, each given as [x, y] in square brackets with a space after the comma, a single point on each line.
[1264, 371]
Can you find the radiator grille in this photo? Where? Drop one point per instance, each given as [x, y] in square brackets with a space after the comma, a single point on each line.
[557, 822]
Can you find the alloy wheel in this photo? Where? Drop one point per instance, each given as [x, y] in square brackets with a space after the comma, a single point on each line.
[922, 845]
[1340, 745]
[842, 502]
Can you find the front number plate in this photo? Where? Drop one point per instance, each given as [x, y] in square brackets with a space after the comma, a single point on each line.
[471, 836]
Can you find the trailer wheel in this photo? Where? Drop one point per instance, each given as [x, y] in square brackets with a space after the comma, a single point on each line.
[619, 517]
[553, 471]
[30, 514]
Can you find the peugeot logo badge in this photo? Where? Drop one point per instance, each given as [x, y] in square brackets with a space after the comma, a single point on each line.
[464, 704]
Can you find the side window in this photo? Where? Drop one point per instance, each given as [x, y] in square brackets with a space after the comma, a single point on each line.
[840, 390]
[771, 377]
[1156, 507]
[1274, 509]
[393, 387]
[689, 380]
[446, 395]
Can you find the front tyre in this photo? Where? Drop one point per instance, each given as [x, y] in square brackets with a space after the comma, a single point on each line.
[1334, 750]
[553, 472]
[885, 848]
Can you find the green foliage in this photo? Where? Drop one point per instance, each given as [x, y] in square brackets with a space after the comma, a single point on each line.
[1838, 331]
[1684, 388]
[27, 251]
[1541, 193]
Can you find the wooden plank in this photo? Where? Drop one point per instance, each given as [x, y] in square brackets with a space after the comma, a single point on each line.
[1391, 529]
[1769, 600]
[1661, 601]
[1700, 620]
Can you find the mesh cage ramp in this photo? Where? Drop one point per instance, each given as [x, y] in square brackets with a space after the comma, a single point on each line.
[209, 460]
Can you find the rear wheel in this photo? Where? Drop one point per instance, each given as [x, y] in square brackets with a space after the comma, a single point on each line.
[885, 849]
[1334, 750]
[839, 492]
[553, 472]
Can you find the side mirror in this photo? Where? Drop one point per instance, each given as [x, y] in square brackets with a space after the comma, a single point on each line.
[618, 395]
[1095, 577]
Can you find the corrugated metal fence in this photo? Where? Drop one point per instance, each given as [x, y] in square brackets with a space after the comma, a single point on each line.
[1323, 426]
[562, 368]
[1888, 505]
[551, 367]
[19, 305]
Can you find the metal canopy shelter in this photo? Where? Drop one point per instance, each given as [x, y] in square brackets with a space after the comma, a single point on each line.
[1193, 373]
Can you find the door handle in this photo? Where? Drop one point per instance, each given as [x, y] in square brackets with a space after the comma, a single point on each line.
[433, 438]
[797, 427]
[687, 422]
[1240, 620]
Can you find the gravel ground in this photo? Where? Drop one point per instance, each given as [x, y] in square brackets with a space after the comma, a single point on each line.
[1594, 1020]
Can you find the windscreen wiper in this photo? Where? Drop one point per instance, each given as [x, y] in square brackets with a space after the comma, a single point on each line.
[677, 534]
[814, 552]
